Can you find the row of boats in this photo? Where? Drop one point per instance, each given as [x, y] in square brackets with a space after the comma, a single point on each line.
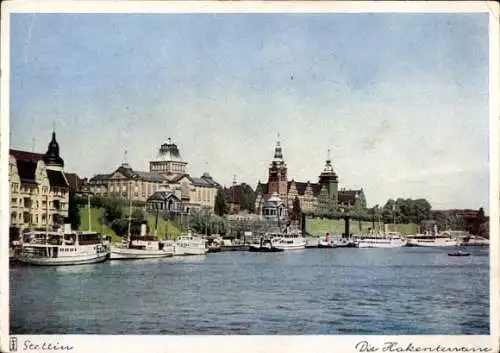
[277, 242]
[74, 248]
[66, 247]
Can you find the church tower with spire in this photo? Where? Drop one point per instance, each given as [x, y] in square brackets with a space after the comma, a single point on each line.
[277, 179]
[329, 178]
[52, 159]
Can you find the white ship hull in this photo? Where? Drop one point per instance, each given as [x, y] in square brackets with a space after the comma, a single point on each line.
[118, 253]
[381, 243]
[475, 243]
[297, 244]
[69, 260]
[189, 245]
[186, 251]
[432, 243]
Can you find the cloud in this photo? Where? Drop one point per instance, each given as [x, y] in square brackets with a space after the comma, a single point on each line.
[396, 125]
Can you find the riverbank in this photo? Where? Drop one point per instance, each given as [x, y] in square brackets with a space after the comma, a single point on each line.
[165, 228]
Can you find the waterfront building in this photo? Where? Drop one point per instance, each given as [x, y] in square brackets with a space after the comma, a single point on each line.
[165, 201]
[274, 210]
[76, 184]
[241, 197]
[168, 168]
[474, 220]
[39, 189]
[127, 183]
[320, 197]
[169, 162]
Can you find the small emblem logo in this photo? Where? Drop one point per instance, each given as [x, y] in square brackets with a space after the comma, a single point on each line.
[13, 344]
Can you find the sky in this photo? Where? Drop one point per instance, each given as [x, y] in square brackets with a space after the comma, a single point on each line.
[401, 100]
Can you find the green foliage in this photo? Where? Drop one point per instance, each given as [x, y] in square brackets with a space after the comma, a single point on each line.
[119, 226]
[296, 209]
[166, 229]
[221, 206]
[484, 229]
[247, 199]
[73, 211]
[406, 210]
[96, 223]
[113, 209]
[204, 223]
[138, 203]
[138, 215]
[320, 226]
[446, 221]
[79, 200]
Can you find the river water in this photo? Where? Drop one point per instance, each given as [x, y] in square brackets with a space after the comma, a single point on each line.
[313, 291]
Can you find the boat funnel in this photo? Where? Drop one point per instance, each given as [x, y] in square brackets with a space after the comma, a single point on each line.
[143, 230]
[386, 228]
[67, 228]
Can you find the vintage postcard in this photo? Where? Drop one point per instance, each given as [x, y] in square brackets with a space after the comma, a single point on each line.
[249, 176]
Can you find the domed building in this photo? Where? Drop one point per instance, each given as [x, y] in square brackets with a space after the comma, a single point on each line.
[275, 210]
[167, 169]
[168, 161]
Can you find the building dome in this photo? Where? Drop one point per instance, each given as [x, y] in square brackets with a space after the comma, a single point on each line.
[328, 169]
[278, 153]
[328, 174]
[274, 198]
[52, 157]
[169, 152]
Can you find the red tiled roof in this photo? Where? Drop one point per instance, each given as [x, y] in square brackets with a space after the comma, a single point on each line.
[73, 180]
[26, 156]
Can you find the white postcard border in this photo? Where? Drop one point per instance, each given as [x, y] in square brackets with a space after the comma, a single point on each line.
[220, 344]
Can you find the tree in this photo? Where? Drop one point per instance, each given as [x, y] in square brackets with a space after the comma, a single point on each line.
[119, 226]
[388, 211]
[113, 209]
[422, 210]
[296, 209]
[221, 207]
[247, 201]
[138, 215]
[73, 211]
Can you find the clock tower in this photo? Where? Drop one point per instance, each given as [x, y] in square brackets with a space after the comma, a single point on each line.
[277, 179]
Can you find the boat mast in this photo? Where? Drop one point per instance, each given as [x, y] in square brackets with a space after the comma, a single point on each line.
[394, 217]
[129, 212]
[90, 213]
[156, 221]
[47, 209]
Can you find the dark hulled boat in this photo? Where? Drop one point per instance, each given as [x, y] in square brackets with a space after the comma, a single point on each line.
[265, 245]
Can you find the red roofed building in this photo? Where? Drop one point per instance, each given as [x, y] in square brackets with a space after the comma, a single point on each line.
[473, 218]
[38, 188]
[317, 197]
